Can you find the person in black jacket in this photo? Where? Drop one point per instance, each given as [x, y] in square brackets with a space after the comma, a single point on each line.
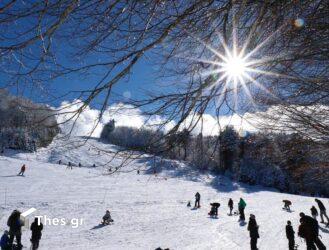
[314, 212]
[309, 230]
[197, 200]
[15, 224]
[253, 232]
[214, 209]
[36, 228]
[322, 210]
[230, 205]
[290, 233]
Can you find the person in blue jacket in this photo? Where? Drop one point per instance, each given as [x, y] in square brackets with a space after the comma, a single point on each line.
[4, 241]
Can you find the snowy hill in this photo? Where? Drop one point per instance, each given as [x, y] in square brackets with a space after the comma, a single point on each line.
[149, 211]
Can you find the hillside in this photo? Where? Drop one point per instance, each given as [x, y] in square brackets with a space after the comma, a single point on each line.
[25, 125]
[149, 211]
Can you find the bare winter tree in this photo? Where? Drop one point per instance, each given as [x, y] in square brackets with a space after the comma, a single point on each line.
[238, 54]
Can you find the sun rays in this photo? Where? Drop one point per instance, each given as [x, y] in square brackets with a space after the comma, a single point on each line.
[236, 68]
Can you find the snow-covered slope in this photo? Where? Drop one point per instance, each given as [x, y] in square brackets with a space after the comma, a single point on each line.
[149, 211]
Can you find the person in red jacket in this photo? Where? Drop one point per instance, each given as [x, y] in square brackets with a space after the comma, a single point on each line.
[23, 168]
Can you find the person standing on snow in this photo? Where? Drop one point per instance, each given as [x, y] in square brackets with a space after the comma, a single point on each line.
[4, 241]
[36, 229]
[242, 205]
[230, 205]
[322, 211]
[253, 232]
[69, 166]
[197, 200]
[309, 230]
[23, 168]
[314, 212]
[15, 228]
[290, 233]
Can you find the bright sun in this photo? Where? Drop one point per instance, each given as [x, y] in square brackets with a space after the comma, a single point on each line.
[234, 67]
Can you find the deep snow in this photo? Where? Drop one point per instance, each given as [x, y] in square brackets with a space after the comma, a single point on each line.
[148, 211]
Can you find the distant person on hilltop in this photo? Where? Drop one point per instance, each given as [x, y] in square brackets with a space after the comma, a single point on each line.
[230, 205]
[290, 233]
[322, 211]
[242, 205]
[69, 166]
[23, 168]
[253, 232]
[197, 200]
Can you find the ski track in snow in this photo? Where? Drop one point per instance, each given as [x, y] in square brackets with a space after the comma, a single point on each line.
[148, 211]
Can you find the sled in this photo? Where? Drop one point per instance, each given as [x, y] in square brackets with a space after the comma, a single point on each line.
[108, 222]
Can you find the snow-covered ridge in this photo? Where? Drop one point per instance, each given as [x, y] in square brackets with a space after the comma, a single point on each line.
[149, 211]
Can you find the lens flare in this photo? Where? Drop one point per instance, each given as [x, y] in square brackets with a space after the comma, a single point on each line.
[231, 69]
[235, 67]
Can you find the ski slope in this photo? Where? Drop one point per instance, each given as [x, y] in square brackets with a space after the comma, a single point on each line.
[149, 211]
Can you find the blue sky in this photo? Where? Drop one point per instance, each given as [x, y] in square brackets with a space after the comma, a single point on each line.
[142, 77]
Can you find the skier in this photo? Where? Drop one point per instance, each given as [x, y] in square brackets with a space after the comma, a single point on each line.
[287, 205]
[107, 218]
[23, 168]
[253, 232]
[80, 165]
[59, 162]
[15, 224]
[197, 200]
[230, 205]
[214, 209]
[36, 229]
[138, 171]
[4, 241]
[242, 205]
[290, 233]
[94, 165]
[309, 230]
[314, 212]
[322, 211]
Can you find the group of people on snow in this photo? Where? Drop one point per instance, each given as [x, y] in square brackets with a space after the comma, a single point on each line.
[15, 232]
[70, 165]
[308, 228]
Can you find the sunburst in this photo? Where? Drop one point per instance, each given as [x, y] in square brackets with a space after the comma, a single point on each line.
[235, 69]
